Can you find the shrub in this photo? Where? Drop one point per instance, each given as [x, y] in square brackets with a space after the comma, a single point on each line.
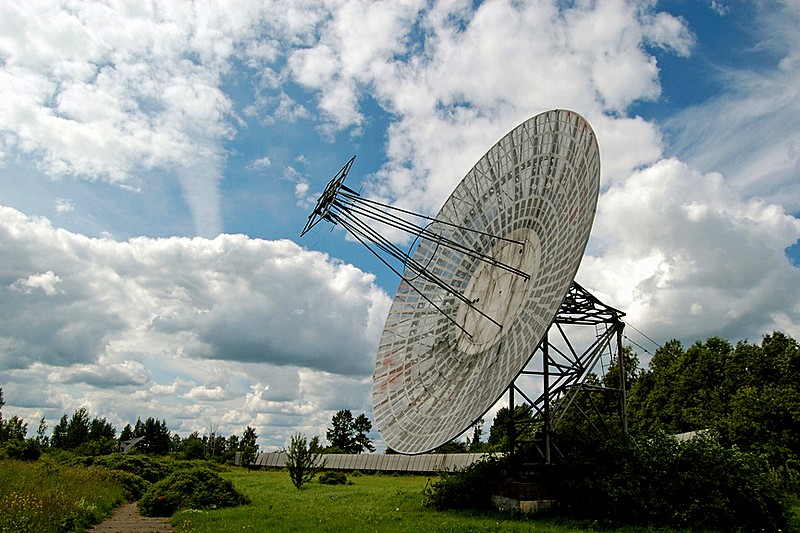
[334, 478]
[134, 485]
[696, 484]
[147, 467]
[194, 488]
[468, 488]
[24, 450]
[303, 460]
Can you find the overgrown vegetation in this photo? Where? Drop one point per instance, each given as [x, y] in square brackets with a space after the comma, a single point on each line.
[469, 488]
[656, 482]
[747, 394]
[696, 484]
[194, 488]
[739, 474]
[332, 477]
[149, 467]
[44, 496]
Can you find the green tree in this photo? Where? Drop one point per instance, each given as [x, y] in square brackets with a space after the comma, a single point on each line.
[13, 429]
[349, 435]
[193, 447]
[749, 395]
[41, 434]
[59, 437]
[156, 436]
[361, 427]
[598, 404]
[303, 461]
[77, 429]
[176, 444]
[652, 404]
[525, 426]
[126, 433]
[453, 446]
[248, 446]
[474, 444]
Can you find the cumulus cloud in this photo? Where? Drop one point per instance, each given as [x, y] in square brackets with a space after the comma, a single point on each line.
[46, 282]
[104, 90]
[113, 375]
[130, 315]
[685, 254]
[230, 298]
[461, 95]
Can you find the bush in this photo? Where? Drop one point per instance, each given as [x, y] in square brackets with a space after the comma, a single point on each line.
[147, 467]
[134, 485]
[659, 482]
[24, 450]
[469, 488]
[303, 460]
[696, 484]
[334, 478]
[194, 488]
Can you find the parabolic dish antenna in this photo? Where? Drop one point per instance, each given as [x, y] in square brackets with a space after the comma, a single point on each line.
[501, 253]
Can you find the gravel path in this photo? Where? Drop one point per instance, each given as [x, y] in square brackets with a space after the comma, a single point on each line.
[126, 519]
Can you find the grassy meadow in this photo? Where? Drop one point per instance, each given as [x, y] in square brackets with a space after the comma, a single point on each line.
[373, 503]
[43, 496]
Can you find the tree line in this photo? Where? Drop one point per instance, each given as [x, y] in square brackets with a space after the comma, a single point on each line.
[747, 395]
[738, 469]
[84, 435]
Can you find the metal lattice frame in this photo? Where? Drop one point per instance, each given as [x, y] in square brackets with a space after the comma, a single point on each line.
[564, 369]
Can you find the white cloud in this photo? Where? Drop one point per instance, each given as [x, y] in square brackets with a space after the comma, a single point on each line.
[261, 163]
[206, 393]
[64, 205]
[231, 298]
[125, 373]
[46, 282]
[104, 91]
[748, 132]
[685, 255]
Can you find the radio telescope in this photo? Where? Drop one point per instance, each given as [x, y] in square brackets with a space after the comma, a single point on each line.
[484, 280]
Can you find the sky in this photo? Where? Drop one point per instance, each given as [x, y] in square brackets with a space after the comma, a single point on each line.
[158, 161]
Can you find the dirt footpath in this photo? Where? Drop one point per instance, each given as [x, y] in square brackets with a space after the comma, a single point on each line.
[126, 519]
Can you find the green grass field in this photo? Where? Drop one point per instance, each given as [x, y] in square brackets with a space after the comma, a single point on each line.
[374, 503]
[43, 496]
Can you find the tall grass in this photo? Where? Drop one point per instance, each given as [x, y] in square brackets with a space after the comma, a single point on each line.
[42, 496]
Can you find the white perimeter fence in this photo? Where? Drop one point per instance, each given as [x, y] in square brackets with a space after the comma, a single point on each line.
[376, 462]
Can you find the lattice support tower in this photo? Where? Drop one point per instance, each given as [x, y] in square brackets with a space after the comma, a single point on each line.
[563, 369]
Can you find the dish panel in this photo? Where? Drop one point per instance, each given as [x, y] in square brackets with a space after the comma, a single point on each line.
[537, 187]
